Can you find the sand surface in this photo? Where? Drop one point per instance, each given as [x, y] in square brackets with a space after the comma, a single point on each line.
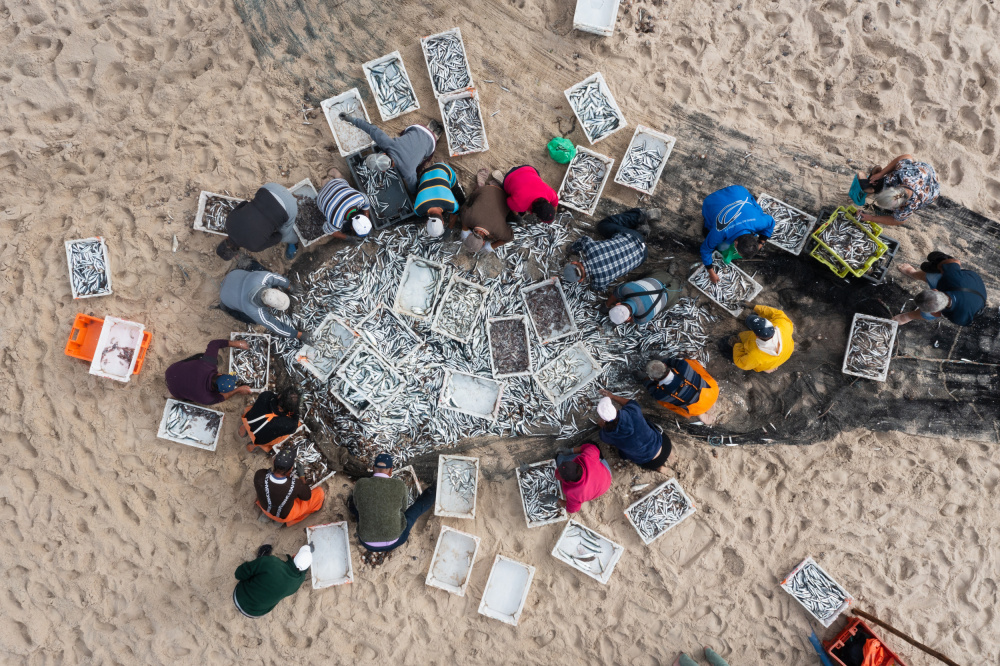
[120, 548]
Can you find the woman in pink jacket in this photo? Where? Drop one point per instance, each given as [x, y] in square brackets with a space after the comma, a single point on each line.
[526, 191]
[584, 476]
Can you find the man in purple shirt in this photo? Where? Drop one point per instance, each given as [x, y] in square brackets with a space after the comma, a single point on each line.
[197, 378]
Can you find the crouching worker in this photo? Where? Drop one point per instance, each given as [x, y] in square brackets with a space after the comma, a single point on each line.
[584, 476]
[252, 296]
[197, 377]
[681, 385]
[379, 506]
[271, 419]
[283, 496]
[767, 344]
[624, 427]
[268, 579]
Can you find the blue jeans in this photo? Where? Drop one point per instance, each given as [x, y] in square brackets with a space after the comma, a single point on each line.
[291, 206]
[624, 223]
[932, 282]
[422, 505]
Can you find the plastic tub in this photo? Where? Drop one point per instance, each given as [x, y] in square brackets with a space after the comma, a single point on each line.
[766, 201]
[419, 277]
[260, 384]
[856, 629]
[126, 335]
[718, 260]
[606, 93]
[596, 16]
[469, 93]
[876, 274]
[427, 61]
[506, 590]
[379, 101]
[524, 499]
[305, 188]
[331, 563]
[810, 563]
[320, 365]
[635, 508]
[202, 202]
[608, 162]
[523, 320]
[107, 266]
[349, 138]
[396, 202]
[451, 565]
[870, 229]
[651, 139]
[449, 503]
[538, 320]
[206, 436]
[579, 353]
[881, 375]
[340, 390]
[470, 321]
[85, 333]
[471, 394]
[570, 544]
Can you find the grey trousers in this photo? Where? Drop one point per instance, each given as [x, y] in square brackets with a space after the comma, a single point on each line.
[291, 206]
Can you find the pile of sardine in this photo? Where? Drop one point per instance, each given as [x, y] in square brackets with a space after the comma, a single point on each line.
[349, 137]
[393, 91]
[216, 212]
[457, 316]
[185, 420]
[464, 123]
[790, 225]
[658, 513]
[640, 166]
[819, 593]
[312, 463]
[357, 279]
[251, 366]
[848, 241]
[406, 475]
[582, 186]
[370, 376]
[565, 373]
[459, 479]
[446, 63]
[384, 331]
[598, 116]
[327, 342]
[539, 492]
[870, 347]
[734, 286]
[375, 185]
[586, 555]
[88, 271]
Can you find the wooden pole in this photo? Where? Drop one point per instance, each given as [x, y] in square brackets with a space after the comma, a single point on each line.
[932, 652]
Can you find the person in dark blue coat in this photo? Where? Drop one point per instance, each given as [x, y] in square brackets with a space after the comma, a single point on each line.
[733, 218]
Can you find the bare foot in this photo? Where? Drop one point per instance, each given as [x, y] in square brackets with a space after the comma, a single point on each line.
[334, 172]
[908, 270]
[481, 176]
[498, 176]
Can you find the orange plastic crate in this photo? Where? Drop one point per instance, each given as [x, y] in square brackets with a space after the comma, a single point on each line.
[853, 627]
[83, 337]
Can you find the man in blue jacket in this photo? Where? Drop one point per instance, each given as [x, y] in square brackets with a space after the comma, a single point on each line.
[733, 219]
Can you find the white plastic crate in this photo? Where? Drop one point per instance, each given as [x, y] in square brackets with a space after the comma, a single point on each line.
[651, 140]
[563, 515]
[672, 484]
[320, 365]
[386, 114]
[339, 390]
[331, 563]
[125, 334]
[407, 341]
[472, 321]
[471, 394]
[577, 352]
[881, 375]
[202, 201]
[305, 188]
[413, 283]
[447, 502]
[350, 139]
[506, 590]
[427, 61]
[451, 564]
[386, 366]
[473, 94]
[107, 266]
[606, 93]
[261, 384]
[204, 437]
[570, 545]
[766, 200]
[596, 16]
[789, 584]
[533, 316]
[589, 210]
[718, 260]
[523, 319]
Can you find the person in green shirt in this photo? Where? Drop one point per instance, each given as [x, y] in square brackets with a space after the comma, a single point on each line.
[268, 579]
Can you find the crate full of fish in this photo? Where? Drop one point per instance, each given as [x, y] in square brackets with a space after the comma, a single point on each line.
[331, 341]
[349, 138]
[386, 331]
[567, 373]
[370, 374]
[582, 184]
[213, 210]
[850, 243]
[191, 425]
[353, 400]
[409, 477]
[733, 288]
[446, 61]
[463, 123]
[791, 225]
[391, 86]
[117, 349]
[457, 484]
[331, 563]
[596, 16]
[89, 267]
[595, 108]
[817, 591]
[461, 306]
[644, 159]
[506, 590]
[451, 564]
[869, 347]
[251, 366]
[510, 346]
[471, 394]
[310, 461]
[418, 289]
[385, 191]
[586, 550]
[540, 493]
[310, 219]
[662, 509]
[551, 317]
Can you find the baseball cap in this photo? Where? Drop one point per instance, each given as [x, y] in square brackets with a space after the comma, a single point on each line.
[761, 327]
[304, 558]
[361, 225]
[225, 383]
[435, 227]
[383, 461]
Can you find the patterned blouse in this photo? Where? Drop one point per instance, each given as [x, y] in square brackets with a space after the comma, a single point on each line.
[918, 177]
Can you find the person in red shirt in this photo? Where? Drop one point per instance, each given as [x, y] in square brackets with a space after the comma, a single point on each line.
[527, 192]
[584, 476]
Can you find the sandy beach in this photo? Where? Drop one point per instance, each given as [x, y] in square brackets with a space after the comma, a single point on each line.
[120, 548]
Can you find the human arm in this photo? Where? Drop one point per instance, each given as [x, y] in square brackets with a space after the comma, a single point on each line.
[272, 323]
[247, 570]
[382, 140]
[909, 316]
[614, 398]
[883, 220]
[212, 351]
[275, 280]
[239, 390]
[773, 315]
[889, 168]
[743, 356]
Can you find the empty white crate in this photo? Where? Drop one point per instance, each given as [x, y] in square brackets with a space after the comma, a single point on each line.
[506, 590]
[596, 16]
[471, 394]
[331, 563]
[451, 565]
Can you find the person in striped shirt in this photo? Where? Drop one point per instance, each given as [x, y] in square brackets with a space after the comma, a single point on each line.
[340, 203]
[438, 192]
[640, 301]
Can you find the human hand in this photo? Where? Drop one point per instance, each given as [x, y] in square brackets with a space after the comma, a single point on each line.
[244, 390]
[305, 338]
[713, 276]
[902, 318]
[239, 344]
[606, 393]
[342, 116]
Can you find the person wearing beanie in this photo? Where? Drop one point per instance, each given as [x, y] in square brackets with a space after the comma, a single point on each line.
[681, 385]
[623, 250]
[262, 222]
[527, 192]
[378, 504]
[252, 295]
[414, 146]
[484, 218]
[438, 192]
[641, 300]
[197, 378]
[623, 426]
[733, 219]
[766, 345]
[345, 208]
[284, 496]
[955, 293]
[266, 580]
[584, 476]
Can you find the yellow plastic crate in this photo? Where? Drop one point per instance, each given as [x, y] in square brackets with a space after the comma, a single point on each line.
[870, 229]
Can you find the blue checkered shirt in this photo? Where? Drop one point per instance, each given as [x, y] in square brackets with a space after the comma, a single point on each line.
[607, 260]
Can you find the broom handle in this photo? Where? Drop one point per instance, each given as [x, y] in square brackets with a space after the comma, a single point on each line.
[932, 652]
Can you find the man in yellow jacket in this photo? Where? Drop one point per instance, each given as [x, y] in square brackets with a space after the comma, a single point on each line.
[767, 344]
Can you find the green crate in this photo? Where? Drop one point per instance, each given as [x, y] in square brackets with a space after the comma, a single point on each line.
[870, 229]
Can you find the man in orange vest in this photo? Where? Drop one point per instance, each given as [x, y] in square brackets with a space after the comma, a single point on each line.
[285, 497]
[271, 419]
[681, 385]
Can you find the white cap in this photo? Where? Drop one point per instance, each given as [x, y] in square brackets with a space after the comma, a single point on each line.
[619, 314]
[361, 225]
[606, 409]
[275, 298]
[435, 227]
[304, 558]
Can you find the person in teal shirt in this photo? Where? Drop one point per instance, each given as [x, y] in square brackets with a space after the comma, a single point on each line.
[268, 579]
[438, 192]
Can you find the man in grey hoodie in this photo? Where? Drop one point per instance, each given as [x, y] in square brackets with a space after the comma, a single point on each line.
[249, 295]
[408, 151]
